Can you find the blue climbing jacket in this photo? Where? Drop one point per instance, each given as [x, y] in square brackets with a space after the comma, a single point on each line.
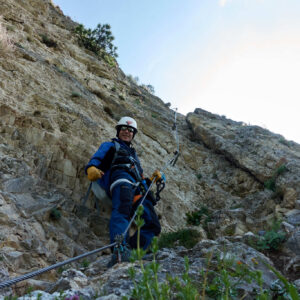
[106, 160]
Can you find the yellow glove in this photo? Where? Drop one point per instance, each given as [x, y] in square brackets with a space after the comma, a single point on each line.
[157, 175]
[93, 173]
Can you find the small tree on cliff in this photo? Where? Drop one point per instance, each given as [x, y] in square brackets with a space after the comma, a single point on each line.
[98, 40]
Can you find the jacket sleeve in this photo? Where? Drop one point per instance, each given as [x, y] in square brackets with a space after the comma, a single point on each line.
[102, 158]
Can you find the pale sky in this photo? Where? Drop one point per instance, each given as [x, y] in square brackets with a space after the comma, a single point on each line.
[238, 58]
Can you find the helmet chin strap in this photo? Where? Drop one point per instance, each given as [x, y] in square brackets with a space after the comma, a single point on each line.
[118, 132]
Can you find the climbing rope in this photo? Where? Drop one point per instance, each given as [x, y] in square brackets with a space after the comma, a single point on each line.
[119, 240]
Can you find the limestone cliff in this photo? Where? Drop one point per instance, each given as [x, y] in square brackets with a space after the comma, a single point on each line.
[58, 102]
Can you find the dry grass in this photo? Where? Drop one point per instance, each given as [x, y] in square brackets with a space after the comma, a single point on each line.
[6, 44]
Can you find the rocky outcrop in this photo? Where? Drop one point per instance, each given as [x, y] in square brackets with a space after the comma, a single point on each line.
[251, 148]
[58, 102]
[116, 282]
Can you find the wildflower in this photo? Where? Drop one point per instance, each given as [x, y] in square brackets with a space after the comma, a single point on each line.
[254, 261]
[74, 297]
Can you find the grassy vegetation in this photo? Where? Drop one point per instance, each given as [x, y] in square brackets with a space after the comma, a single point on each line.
[197, 217]
[199, 175]
[75, 95]
[219, 281]
[270, 184]
[272, 238]
[285, 142]
[48, 41]
[85, 263]
[184, 237]
[55, 214]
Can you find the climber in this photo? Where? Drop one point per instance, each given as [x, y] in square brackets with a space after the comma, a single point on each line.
[116, 168]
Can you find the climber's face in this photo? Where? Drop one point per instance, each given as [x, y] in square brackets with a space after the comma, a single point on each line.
[126, 134]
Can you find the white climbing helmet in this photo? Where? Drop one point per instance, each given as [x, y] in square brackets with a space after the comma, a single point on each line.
[127, 121]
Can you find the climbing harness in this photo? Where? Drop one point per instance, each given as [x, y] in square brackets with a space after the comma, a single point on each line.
[130, 165]
[119, 240]
[122, 180]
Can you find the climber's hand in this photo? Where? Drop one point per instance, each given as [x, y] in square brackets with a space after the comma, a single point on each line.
[157, 175]
[93, 173]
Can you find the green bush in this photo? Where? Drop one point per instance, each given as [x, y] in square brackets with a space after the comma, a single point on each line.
[184, 237]
[198, 217]
[285, 142]
[75, 95]
[149, 88]
[48, 41]
[270, 184]
[281, 169]
[85, 263]
[272, 239]
[55, 214]
[98, 40]
[199, 175]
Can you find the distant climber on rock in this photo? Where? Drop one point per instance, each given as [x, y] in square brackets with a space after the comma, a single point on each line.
[117, 169]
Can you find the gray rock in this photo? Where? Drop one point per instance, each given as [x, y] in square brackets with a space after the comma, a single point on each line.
[294, 218]
[293, 243]
[4, 276]
[287, 227]
[293, 265]
[71, 279]
[297, 284]
[19, 185]
[109, 297]
[38, 294]
[254, 149]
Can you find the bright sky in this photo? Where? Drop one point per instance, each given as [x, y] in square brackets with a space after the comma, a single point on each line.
[238, 58]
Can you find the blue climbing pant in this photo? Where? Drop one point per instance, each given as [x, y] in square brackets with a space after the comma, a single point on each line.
[123, 210]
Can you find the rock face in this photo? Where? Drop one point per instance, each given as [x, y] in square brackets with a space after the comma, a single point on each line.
[251, 148]
[59, 102]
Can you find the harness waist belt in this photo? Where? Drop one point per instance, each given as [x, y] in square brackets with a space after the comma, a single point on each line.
[118, 181]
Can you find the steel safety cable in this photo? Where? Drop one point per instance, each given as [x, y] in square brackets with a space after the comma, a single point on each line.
[44, 270]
